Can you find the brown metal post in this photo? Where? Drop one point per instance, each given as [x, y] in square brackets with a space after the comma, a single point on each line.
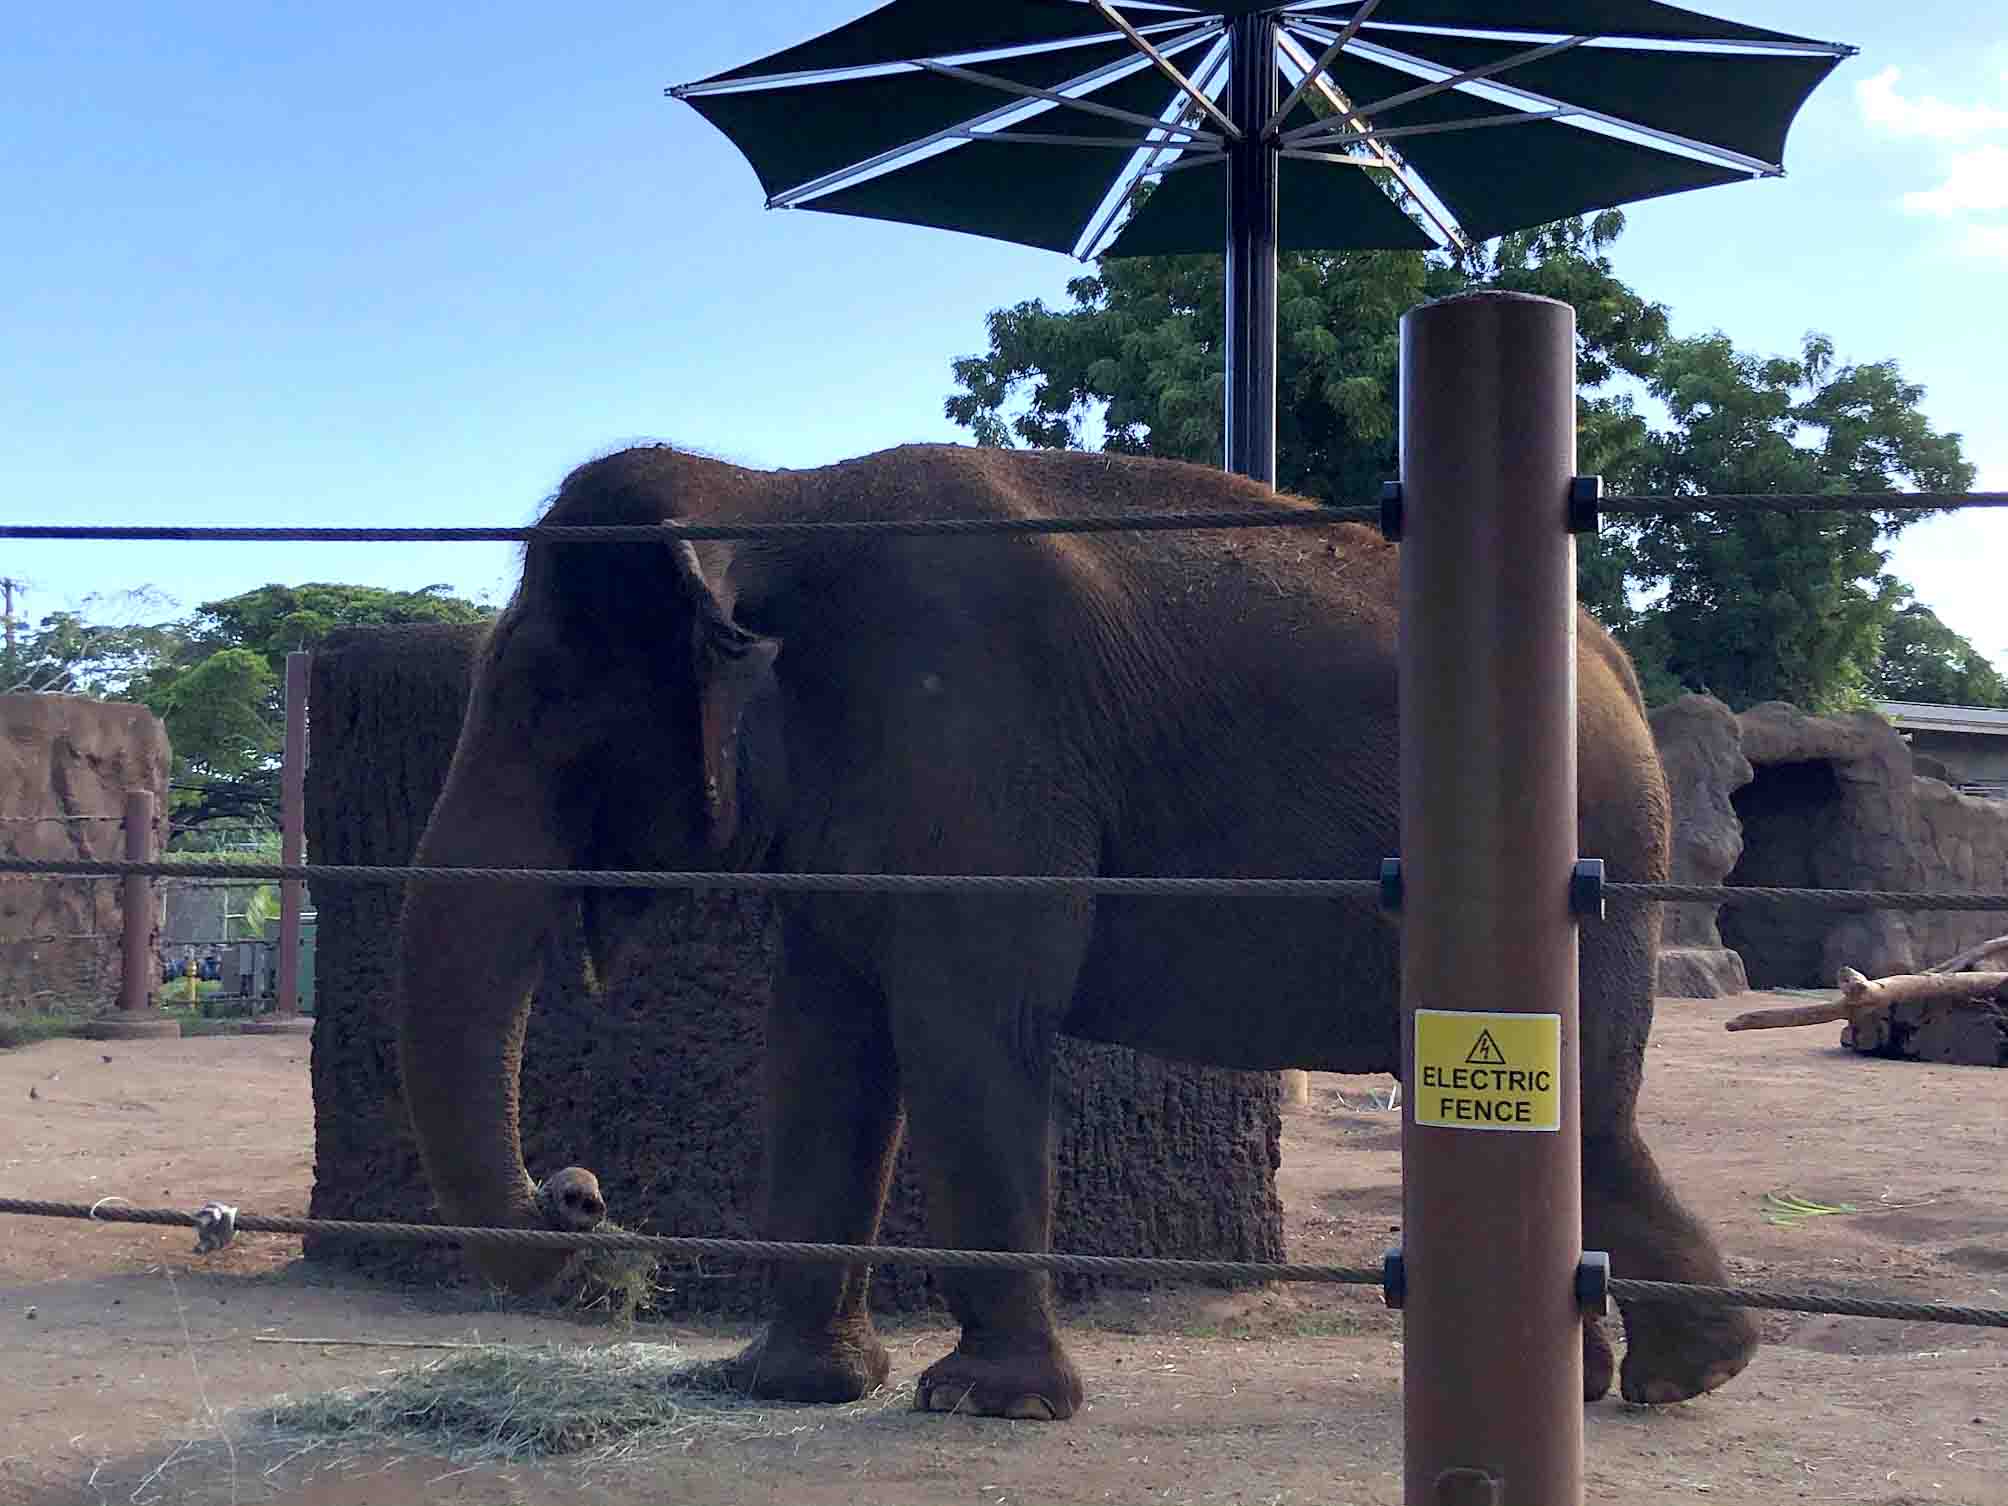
[1492, 1159]
[292, 831]
[137, 904]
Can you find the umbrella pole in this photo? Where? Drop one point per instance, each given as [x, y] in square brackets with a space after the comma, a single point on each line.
[1252, 164]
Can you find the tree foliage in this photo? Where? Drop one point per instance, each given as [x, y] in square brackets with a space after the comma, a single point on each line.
[274, 621]
[1924, 660]
[96, 650]
[1750, 607]
[1756, 605]
[216, 677]
[1136, 365]
[222, 694]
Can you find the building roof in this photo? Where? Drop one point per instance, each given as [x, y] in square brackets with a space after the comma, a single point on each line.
[1912, 716]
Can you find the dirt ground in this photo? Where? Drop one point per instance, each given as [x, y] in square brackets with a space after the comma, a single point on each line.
[130, 1359]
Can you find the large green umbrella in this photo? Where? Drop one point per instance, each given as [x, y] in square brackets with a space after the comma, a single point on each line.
[1094, 128]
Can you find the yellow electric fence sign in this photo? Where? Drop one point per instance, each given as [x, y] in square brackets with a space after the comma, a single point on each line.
[1488, 1071]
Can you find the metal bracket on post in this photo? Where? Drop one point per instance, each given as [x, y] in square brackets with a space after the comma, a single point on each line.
[1586, 889]
[1394, 1279]
[1586, 495]
[1390, 884]
[1390, 505]
[1593, 1284]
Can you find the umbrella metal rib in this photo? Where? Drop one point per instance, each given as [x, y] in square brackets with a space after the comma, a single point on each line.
[1164, 66]
[1274, 124]
[1534, 97]
[1374, 141]
[971, 128]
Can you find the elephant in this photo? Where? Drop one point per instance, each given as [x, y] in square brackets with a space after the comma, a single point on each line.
[1174, 703]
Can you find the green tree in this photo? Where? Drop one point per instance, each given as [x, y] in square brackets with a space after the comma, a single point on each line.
[222, 691]
[1750, 605]
[1135, 363]
[219, 713]
[276, 620]
[100, 649]
[1924, 660]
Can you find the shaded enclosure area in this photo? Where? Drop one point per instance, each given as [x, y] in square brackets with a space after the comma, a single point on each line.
[1788, 811]
[655, 1082]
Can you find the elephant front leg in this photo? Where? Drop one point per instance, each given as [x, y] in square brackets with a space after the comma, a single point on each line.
[976, 1039]
[833, 1129]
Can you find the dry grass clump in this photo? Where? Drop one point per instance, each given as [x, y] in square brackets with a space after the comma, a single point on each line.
[619, 1283]
[516, 1403]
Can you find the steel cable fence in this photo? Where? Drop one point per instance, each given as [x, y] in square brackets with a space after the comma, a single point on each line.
[1859, 1305]
[972, 527]
[1866, 1305]
[954, 883]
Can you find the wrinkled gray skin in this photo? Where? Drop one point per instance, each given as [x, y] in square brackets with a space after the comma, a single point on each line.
[1158, 703]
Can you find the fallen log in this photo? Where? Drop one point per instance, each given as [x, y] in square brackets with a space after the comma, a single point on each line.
[1987, 951]
[1863, 998]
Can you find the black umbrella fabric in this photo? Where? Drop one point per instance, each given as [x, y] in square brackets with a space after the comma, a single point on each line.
[1092, 128]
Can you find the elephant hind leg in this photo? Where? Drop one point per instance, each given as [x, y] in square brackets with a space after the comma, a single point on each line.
[1672, 1352]
[980, 987]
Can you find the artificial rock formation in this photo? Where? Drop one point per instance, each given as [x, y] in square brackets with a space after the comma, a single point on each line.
[66, 763]
[1961, 842]
[655, 1083]
[1701, 749]
[1832, 807]
[1814, 802]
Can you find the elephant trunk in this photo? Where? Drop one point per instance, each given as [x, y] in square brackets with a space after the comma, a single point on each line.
[467, 957]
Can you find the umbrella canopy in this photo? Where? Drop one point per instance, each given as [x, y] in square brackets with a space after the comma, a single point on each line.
[1096, 128]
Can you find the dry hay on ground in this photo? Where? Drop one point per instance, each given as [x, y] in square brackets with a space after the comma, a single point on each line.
[510, 1404]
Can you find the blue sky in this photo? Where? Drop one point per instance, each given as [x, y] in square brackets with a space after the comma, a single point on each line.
[396, 264]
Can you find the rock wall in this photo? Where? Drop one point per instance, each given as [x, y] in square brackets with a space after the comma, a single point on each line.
[1844, 796]
[1962, 843]
[1821, 802]
[655, 1084]
[1701, 749]
[66, 763]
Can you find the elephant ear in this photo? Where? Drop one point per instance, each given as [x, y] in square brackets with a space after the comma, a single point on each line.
[730, 665]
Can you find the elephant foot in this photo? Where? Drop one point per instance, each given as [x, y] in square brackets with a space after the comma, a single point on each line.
[836, 1366]
[1675, 1354]
[1030, 1381]
[1600, 1365]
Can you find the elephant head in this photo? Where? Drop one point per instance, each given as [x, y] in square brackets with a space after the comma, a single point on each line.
[619, 718]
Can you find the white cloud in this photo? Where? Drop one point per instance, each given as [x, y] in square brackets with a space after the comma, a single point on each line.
[1971, 170]
[1975, 183]
[1926, 115]
[1988, 240]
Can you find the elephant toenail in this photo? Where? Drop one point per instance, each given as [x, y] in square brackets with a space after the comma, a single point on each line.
[1664, 1393]
[1031, 1409]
